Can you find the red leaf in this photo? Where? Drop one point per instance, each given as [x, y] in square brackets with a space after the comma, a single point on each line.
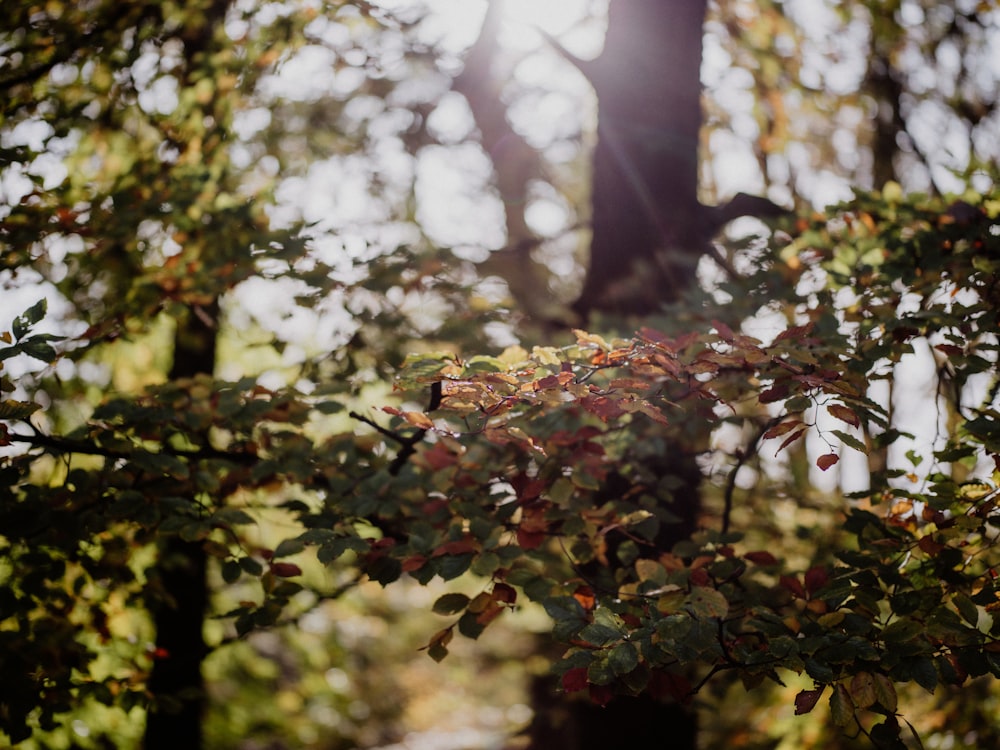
[456, 547]
[827, 460]
[530, 539]
[778, 392]
[816, 579]
[790, 439]
[575, 679]
[761, 557]
[414, 562]
[806, 701]
[792, 584]
[795, 332]
[725, 332]
[286, 569]
[601, 694]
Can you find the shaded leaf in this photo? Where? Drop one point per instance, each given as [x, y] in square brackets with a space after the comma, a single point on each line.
[806, 700]
[449, 604]
[841, 706]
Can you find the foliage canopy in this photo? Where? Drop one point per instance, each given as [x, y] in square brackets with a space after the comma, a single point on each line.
[519, 475]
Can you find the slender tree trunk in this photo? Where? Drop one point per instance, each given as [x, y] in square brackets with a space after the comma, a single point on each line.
[178, 596]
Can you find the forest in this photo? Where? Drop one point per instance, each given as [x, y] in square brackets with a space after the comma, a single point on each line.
[507, 375]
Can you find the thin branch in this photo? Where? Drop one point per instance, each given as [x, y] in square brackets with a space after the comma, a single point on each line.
[66, 445]
[741, 459]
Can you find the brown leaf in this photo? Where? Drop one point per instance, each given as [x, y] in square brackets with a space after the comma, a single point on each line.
[827, 460]
[862, 690]
[782, 428]
[844, 414]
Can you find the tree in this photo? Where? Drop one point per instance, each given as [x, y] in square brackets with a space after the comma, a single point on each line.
[540, 472]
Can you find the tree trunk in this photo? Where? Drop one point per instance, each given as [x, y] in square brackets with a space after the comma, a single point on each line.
[649, 231]
[178, 596]
[648, 227]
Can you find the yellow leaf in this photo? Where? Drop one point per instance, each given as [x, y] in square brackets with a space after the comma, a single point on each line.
[418, 419]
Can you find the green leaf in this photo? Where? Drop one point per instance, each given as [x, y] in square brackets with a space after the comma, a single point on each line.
[38, 349]
[251, 566]
[231, 571]
[841, 706]
[23, 322]
[850, 441]
[966, 608]
[704, 602]
[289, 547]
[600, 635]
[453, 566]
[623, 658]
[449, 604]
[899, 631]
[385, 570]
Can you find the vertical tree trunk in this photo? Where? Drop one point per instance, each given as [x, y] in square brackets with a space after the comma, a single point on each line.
[649, 230]
[648, 226]
[179, 589]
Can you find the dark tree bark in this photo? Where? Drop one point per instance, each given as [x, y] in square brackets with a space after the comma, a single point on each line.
[178, 588]
[646, 218]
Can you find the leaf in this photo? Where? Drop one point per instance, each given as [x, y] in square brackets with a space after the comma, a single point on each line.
[600, 635]
[850, 441]
[450, 604]
[862, 690]
[504, 594]
[231, 571]
[418, 419]
[782, 428]
[17, 409]
[816, 578]
[761, 557]
[623, 658]
[777, 392]
[285, 569]
[827, 460]
[575, 680]
[806, 700]
[885, 692]
[437, 647]
[841, 706]
[791, 439]
[23, 322]
[251, 566]
[705, 602]
[289, 547]
[844, 414]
